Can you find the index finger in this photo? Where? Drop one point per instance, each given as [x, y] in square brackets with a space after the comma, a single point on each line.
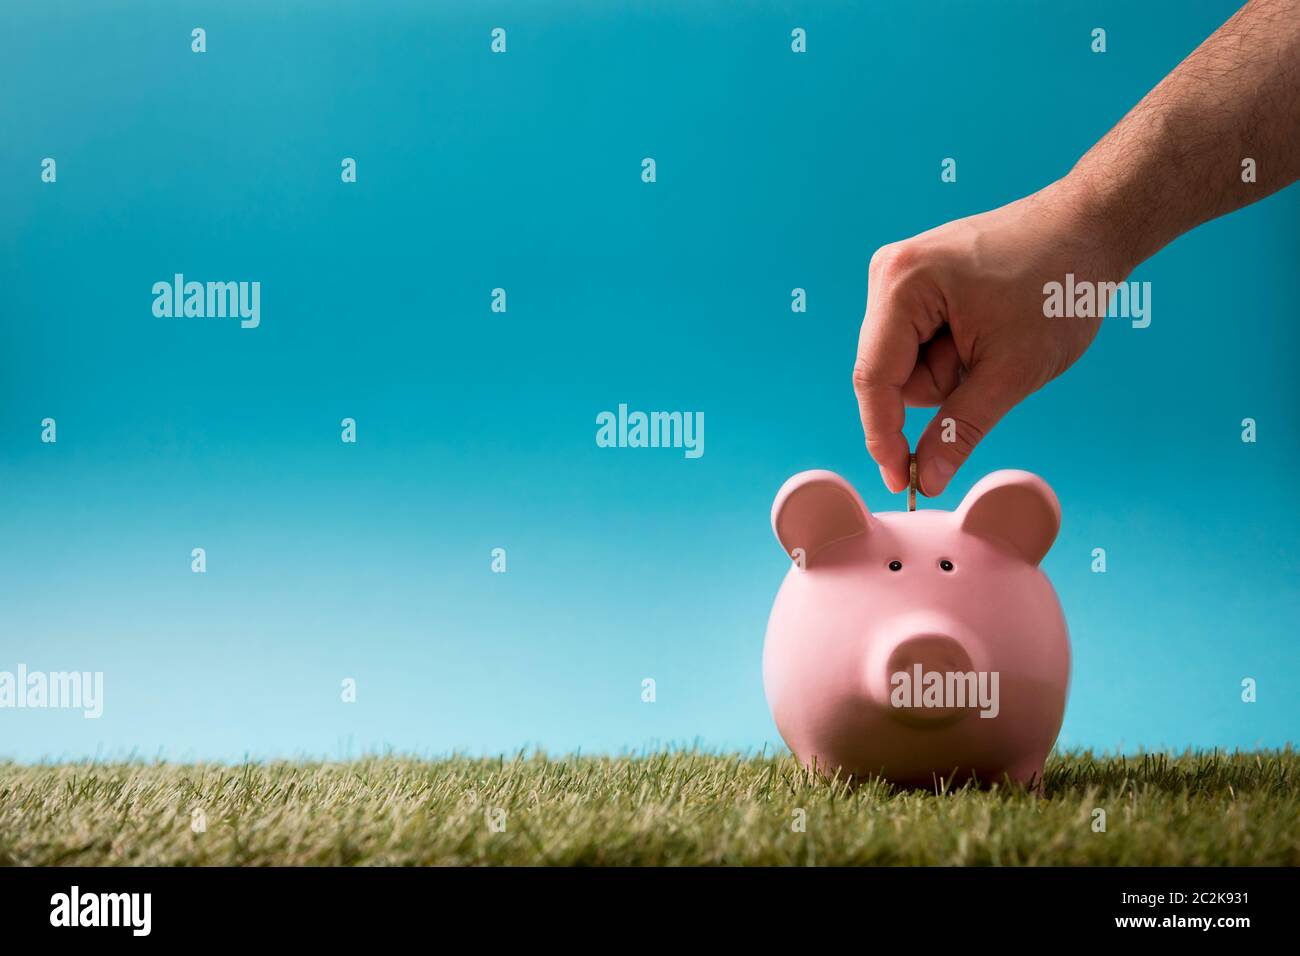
[888, 344]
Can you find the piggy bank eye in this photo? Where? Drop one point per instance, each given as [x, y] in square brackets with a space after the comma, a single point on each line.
[895, 565]
[945, 564]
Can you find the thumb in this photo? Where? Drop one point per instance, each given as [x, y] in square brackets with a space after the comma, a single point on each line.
[968, 414]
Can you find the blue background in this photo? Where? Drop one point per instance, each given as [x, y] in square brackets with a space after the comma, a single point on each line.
[476, 430]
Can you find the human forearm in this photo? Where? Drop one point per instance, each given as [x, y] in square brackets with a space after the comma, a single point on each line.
[1176, 159]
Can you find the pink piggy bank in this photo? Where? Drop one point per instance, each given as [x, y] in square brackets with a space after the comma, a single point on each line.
[918, 645]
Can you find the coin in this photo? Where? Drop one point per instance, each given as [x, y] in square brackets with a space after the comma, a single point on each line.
[911, 485]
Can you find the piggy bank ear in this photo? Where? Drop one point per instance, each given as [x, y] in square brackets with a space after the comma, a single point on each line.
[1014, 509]
[815, 509]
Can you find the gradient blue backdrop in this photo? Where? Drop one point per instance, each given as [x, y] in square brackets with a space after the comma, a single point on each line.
[476, 430]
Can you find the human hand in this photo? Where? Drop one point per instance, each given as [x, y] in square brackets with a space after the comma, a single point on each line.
[955, 318]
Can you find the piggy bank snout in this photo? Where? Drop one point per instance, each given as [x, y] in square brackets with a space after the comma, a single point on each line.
[932, 652]
[904, 666]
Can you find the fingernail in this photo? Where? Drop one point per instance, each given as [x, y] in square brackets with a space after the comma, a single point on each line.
[935, 474]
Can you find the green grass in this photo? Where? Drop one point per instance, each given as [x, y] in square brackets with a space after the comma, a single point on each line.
[679, 807]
